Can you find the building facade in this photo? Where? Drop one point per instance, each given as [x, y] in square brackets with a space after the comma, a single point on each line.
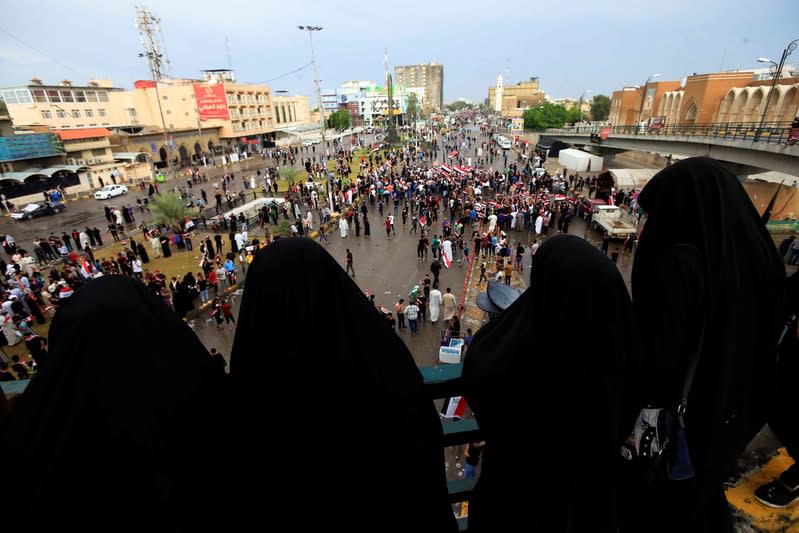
[510, 101]
[62, 106]
[729, 97]
[176, 121]
[429, 76]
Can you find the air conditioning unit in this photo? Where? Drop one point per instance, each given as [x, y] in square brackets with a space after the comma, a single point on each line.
[90, 161]
[81, 162]
[71, 161]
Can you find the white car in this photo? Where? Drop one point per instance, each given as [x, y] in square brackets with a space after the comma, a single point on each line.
[109, 191]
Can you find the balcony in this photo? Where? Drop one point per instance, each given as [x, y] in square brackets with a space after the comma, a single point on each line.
[30, 146]
[444, 381]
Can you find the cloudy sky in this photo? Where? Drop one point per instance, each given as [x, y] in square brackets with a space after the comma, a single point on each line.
[572, 46]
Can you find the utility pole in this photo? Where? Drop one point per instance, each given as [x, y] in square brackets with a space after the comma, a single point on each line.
[150, 33]
[310, 30]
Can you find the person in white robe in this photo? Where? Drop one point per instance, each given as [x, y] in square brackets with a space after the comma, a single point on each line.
[435, 304]
[446, 252]
[492, 222]
[539, 224]
[343, 227]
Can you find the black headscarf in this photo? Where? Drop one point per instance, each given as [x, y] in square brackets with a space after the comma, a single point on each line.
[705, 260]
[326, 391]
[115, 435]
[545, 381]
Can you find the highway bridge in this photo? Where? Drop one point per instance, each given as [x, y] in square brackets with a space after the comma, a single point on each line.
[747, 148]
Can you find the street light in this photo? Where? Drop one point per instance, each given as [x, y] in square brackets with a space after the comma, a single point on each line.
[310, 30]
[581, 103]
[777, 74]
[643, 96]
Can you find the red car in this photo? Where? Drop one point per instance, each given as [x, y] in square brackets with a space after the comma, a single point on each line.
[587, 206]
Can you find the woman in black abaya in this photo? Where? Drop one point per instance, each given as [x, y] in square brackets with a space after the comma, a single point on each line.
[165, 246]
[549, 392]
[111, 435]
[344, 400]
[706, 278]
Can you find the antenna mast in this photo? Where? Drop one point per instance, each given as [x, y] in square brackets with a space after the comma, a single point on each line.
[149, 27]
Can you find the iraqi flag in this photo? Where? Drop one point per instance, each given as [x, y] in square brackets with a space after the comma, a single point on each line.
[453, 407]
[85, 269]
[446, 253]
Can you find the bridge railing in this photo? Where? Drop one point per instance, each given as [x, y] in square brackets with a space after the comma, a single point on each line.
[769, 132]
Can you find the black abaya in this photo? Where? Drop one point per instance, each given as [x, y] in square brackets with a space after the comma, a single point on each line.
[372, 410]
[142, 251]
[571, 377]
[165, 247]
[705, 259]
[113, 434]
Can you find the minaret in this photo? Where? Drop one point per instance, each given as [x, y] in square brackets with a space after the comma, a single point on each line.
[498, 95]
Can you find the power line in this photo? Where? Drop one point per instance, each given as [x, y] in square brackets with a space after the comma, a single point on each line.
[51, 58]
[288, 73]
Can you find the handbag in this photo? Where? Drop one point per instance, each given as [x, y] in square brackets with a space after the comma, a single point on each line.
[657, 447]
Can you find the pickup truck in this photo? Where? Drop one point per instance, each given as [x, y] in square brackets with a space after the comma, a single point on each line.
[610, 220]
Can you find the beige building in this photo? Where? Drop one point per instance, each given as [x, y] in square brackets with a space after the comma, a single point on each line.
[516, 98]
[429, 77]
[62, 106]
[176, 120]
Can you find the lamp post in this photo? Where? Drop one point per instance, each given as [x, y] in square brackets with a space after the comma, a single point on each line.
[310, 30]
[581, 103]
[777, 74]
[643, 97]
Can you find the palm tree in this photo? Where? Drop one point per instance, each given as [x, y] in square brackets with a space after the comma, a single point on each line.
[289, 174]
[169, 208]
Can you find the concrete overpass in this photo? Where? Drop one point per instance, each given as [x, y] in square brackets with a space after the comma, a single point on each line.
[746, 149]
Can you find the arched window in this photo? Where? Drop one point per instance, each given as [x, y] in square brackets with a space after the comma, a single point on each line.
[690, 114]
[198, 149]
[162, 153]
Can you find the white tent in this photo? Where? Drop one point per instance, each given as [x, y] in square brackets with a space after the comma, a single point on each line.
[632, 178]
[579, 161]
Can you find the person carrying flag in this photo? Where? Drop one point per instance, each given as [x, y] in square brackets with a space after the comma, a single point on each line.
[446, 252]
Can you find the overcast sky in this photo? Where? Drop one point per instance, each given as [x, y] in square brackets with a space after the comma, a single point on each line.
[572, 46]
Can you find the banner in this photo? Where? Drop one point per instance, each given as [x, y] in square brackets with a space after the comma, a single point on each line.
[211, 102]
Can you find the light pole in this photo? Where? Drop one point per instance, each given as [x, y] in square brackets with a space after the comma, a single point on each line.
[643, 97]
[581, 103]
[777, 74]
[310, 30]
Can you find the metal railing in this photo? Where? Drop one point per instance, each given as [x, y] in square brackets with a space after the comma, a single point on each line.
[769, 132]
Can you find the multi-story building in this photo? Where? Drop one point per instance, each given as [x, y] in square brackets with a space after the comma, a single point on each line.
[176, 121]
[624, 106]
[430, 77]
[63, 106]
[510, 101]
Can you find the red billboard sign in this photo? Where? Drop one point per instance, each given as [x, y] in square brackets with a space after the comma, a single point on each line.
[211, 102]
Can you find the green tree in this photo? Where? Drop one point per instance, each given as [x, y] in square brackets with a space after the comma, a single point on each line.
[600, 107]
[3, 108]
[290, 174]
[339, 119]
[412, 108]
[546, 115]
[573, 115]
[169, 208]
[458, 105]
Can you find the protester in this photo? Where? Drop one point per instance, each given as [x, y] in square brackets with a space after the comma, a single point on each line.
[581, 386]
[100, 435]
[333, 377]
[708, 282]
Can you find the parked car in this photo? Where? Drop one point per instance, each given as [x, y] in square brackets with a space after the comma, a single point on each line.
[109, 191]
[39, 209]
